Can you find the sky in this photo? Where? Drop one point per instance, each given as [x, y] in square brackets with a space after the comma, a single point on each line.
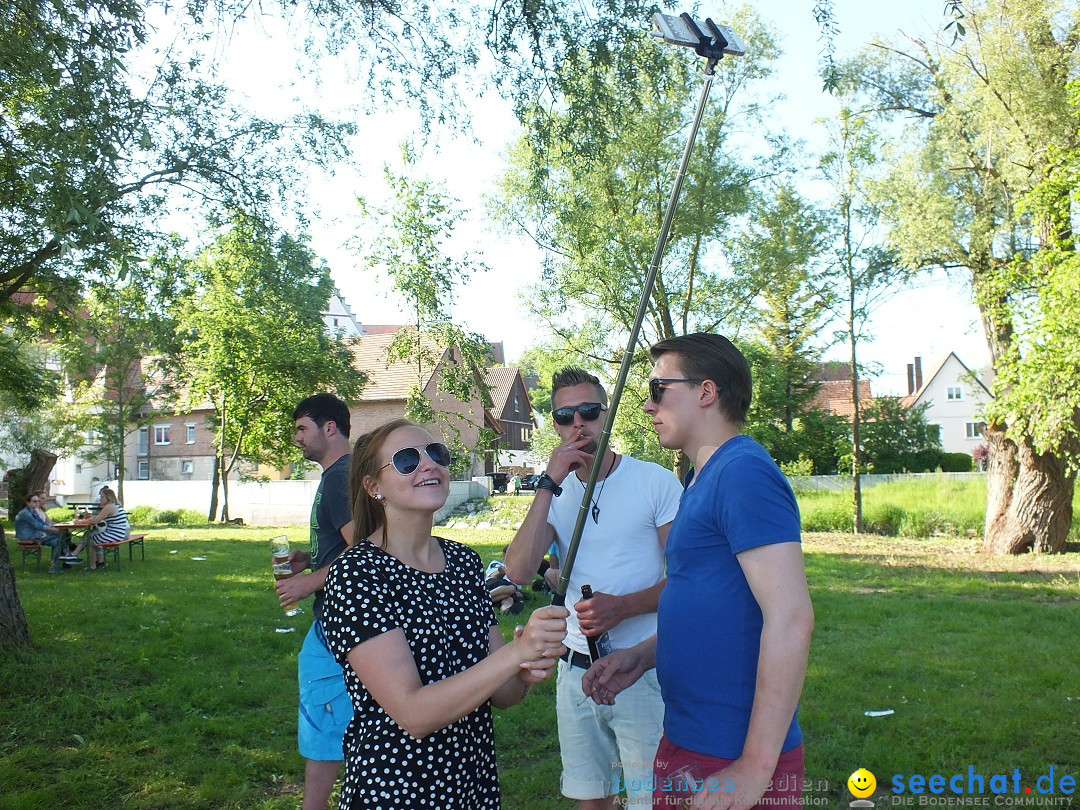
[931, 320]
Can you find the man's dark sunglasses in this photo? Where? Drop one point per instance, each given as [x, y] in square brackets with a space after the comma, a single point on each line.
[407, 459]
[589, 411]
[656, 390]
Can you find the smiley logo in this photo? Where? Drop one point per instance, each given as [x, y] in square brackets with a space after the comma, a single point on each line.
[861, 783]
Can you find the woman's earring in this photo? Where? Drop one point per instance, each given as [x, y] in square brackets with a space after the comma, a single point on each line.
[378, 497]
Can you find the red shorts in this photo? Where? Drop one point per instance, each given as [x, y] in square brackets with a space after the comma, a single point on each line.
[673, 789]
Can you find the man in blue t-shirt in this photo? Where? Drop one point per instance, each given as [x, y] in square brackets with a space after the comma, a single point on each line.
[735, 620]
[322, 434]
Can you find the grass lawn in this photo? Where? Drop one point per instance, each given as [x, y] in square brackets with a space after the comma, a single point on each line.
[168, 684]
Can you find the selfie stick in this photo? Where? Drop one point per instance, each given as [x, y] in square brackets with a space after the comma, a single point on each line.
[683, 30]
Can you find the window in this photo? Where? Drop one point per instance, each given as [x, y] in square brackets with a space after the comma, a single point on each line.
[190, 432]
[335, 322]
[144, 441]
[525, 435]
[161, 434]
[144, 470]
[953, 393]
[187, 467]
[974, 430]
[78, 469]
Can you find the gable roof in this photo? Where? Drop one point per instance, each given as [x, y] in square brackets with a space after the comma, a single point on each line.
[500, 380]
[386, 380]
[911, 399]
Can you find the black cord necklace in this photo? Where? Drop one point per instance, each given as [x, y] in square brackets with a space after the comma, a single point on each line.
[596, 502]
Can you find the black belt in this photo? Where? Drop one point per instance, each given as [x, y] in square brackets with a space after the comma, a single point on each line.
[576, 659]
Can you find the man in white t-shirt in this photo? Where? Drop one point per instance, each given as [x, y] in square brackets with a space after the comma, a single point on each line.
[605, 749]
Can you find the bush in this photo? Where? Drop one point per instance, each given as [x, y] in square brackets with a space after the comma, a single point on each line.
[142, 515]
[59, 514]
[148, 515]
[956, 462]
[883, 519]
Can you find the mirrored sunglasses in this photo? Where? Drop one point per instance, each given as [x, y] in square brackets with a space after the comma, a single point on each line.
[407, 459]
[589, 411]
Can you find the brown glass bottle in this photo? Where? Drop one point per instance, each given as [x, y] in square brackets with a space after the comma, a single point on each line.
[600, 645]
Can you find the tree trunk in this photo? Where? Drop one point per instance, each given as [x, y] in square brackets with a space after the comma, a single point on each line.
[214, 477]
[14, 631]
[31, 478]
[1028, 498]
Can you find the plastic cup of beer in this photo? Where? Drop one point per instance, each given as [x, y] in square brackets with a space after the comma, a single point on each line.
[685, 783]
[282, 568]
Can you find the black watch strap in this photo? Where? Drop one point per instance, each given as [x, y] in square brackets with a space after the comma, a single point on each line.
[547, 482]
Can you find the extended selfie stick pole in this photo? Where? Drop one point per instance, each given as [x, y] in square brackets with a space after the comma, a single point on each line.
[685, 31]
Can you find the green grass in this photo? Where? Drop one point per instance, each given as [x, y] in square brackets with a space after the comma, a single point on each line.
[906, 509]
[166, 685]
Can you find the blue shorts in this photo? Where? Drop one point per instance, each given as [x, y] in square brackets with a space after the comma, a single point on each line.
[325, 708]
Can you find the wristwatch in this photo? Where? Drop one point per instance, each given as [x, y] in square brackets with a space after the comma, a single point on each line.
[545, 481]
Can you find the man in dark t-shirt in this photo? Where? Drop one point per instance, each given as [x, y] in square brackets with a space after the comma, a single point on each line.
[322, 434]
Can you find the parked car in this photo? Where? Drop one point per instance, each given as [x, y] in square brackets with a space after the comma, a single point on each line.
[498, 481]
[529, 482]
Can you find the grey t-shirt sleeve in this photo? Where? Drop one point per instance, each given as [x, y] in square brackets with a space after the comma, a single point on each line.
[335, 501]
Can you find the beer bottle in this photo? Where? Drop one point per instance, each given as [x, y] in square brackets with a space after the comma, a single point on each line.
[600, 645]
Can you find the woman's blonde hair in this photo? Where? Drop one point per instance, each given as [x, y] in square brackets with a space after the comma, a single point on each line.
[368, 515]
[109, 495]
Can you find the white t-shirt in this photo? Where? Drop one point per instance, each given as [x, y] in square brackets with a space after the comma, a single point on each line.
[621, 553]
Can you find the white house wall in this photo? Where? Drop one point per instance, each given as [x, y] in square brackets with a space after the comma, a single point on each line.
[953, 416]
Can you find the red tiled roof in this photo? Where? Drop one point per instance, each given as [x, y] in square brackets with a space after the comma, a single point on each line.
[500, 380]
[389, 380]
[834, 396]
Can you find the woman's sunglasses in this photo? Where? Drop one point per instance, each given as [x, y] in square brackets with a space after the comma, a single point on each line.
[407, 459]
[589, 411]
[656, 387]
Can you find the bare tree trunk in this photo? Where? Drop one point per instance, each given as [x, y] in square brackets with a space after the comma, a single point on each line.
[214, 478]
[31, 478]
[1028, 498]
[14, 631]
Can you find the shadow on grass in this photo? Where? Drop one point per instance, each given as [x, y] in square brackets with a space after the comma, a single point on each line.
[167, 684]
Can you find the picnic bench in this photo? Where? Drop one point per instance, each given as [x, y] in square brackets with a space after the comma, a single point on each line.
[130, 541]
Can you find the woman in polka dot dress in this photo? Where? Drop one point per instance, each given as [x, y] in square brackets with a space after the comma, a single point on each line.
[407, 616]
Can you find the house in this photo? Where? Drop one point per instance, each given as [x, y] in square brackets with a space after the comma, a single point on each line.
[511, 405]
[956, 397]
[390, 385]
[339, 319]
[834, 393]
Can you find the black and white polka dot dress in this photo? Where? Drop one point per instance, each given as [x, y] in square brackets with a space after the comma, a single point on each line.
[446, 618]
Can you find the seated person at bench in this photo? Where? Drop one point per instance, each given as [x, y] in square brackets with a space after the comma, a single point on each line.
[110, 525]
[30, 526]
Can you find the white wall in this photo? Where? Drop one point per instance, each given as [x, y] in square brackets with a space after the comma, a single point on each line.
[953, 415]
[275, 503]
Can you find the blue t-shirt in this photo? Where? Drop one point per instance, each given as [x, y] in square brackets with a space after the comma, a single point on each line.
[709, 624]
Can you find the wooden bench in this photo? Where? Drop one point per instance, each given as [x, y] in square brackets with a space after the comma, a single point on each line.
[130, 541]
[28, 547]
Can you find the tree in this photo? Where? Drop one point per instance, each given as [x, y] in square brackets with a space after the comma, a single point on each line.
[116, 353]
[255, 343]
[595, 203]
[411, 248]
[813, 435]
[898, 439]
[864, 274]
[778, 252]
[93, 151]
[992, 117]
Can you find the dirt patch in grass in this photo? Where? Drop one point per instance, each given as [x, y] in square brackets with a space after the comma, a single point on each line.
[955, 553]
